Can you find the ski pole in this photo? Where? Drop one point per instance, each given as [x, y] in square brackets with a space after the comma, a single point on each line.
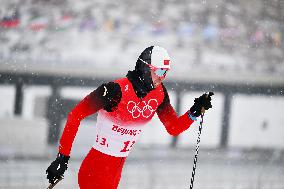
[196, 153]
[52, 185]
[197, 144]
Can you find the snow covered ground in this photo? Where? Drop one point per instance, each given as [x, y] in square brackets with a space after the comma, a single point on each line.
[159, 168]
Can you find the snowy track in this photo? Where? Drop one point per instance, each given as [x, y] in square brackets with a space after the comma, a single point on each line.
[147, 169]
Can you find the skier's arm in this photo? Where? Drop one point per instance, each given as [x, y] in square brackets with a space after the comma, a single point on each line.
[173, 123]
[105, 96]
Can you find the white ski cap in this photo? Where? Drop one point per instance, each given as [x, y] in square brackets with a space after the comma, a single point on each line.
[160, 58]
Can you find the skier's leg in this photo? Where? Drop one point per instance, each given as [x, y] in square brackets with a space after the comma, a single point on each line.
[85, 174]
[118, 176]
[99, 170]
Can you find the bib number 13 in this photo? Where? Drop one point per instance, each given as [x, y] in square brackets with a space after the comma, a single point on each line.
[102, 141]
[127, 146]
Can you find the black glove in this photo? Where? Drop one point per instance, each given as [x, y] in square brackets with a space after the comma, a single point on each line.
[57, 168]
[204, 101]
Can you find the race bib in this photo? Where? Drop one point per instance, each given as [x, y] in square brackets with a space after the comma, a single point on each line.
[113, 139]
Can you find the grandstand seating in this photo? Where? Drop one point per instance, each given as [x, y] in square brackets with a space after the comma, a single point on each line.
[222, 35]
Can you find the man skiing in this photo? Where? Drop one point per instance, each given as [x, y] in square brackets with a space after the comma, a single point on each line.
[124, 106]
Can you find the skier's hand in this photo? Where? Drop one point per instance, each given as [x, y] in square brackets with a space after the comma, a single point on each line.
[57, 168]
[201, 104]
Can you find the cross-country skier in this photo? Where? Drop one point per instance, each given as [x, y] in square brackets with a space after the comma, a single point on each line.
[124, 106]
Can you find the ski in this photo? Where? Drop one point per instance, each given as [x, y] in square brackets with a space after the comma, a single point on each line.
[56, 182]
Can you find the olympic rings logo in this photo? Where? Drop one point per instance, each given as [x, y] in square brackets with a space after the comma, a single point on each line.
[142, 108]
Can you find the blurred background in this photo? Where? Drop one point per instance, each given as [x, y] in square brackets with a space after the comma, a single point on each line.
[55, 52]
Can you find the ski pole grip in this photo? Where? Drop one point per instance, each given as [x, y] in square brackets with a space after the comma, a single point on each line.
[206, 96]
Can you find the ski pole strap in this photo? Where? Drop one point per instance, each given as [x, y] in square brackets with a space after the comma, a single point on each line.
[191, 116]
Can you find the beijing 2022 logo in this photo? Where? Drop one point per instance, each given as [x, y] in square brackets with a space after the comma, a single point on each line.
[142, 108]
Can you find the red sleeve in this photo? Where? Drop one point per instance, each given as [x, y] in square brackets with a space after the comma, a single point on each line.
[89, 105]
[173, 124]
[106, 96]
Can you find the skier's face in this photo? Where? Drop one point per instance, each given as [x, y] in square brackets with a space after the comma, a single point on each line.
[157, 80]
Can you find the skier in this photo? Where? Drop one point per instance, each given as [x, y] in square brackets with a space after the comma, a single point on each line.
[124, 106]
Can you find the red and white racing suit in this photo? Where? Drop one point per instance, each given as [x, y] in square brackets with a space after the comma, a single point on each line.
[118, 128]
